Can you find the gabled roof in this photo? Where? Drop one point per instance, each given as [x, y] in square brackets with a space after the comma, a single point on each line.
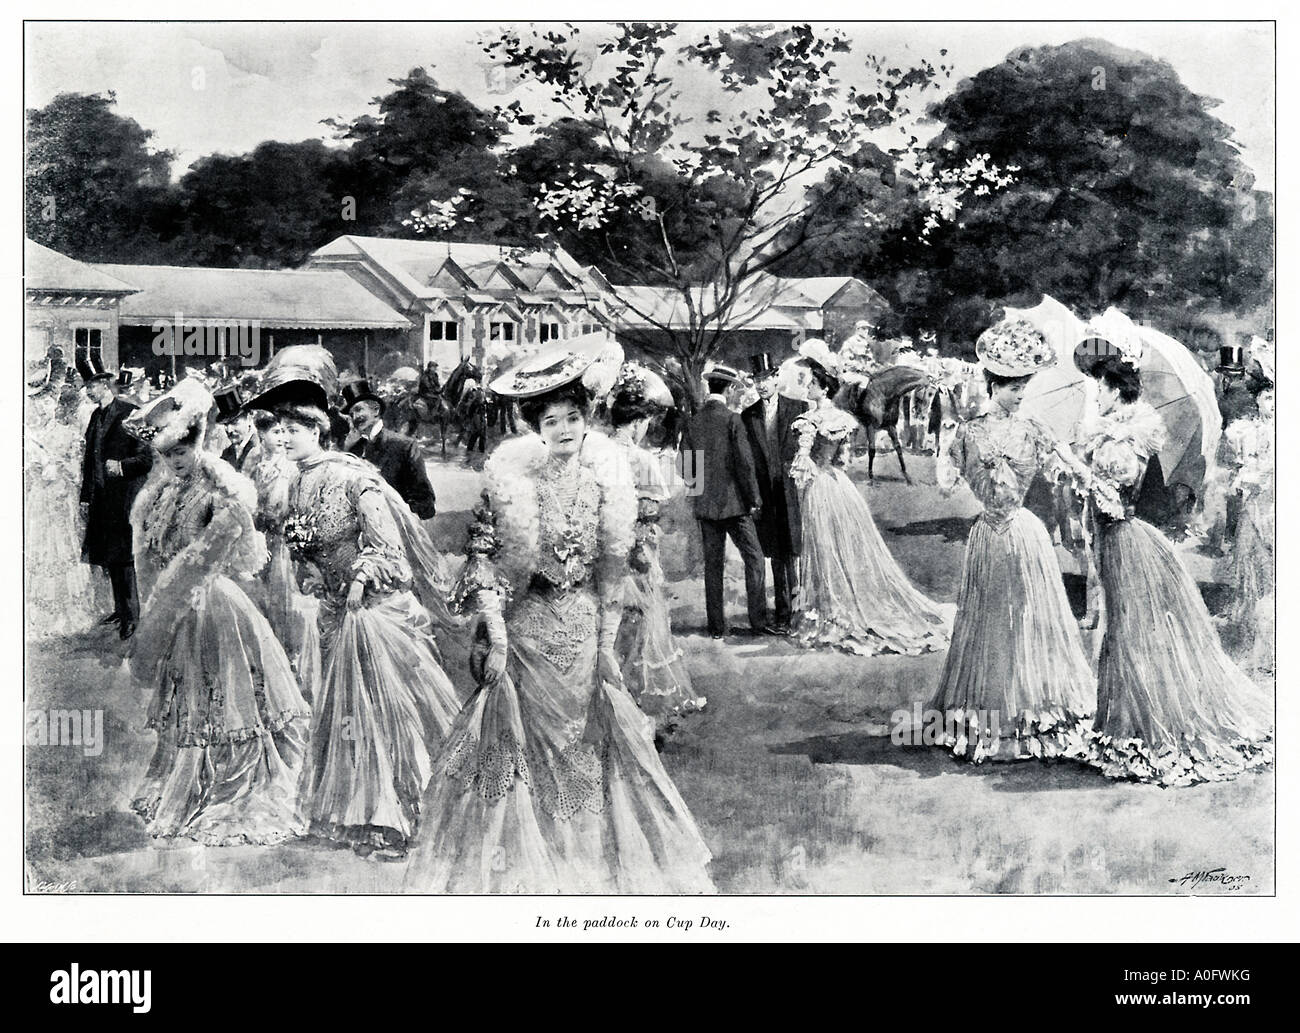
[765, 303]
[320, 299]
[45, 269]
[414, 263]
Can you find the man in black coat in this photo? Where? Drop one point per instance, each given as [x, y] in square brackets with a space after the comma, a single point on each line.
[726, 498]
[396, 456]
[774, 446]
[113, 470]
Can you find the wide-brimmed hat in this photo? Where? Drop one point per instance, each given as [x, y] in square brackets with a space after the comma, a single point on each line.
[593, 358]
[300, 374]
[817, 352]
[716, 370]
[355, 391]
[172, 416]
[1014, 347]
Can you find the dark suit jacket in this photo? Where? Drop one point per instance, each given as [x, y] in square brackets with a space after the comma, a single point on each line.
[398, 459]
[779, 525]
[715, 442]
[237, 459]
[108, 520]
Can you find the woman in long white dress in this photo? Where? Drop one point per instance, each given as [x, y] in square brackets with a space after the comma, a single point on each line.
[654, 667]
[231, 723]
[1172, 708]
[1016, 682]
[58, 598]
[853, 595]
[550, 782]
[292, 614]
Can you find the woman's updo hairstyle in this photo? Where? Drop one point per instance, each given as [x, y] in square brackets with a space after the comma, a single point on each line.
[825, 379]
[1120, 376]
[572, 393]
[997, 380]
[306, 416]
[629, 406]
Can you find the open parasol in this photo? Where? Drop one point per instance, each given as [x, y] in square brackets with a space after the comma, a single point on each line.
[1172, 382]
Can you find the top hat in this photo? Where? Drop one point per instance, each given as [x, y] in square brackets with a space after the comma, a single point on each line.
[229, 402]
[355, 391]
[760, 366]
[1232, 358]
[91, 369]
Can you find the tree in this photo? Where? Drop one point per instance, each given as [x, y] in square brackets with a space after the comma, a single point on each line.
[266, 209]
[1129, 192]
[94, 185]
[426, 144]
[705, 208]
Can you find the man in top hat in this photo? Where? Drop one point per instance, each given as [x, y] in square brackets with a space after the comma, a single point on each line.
[767, 422]
[396, 456]
[727, 498]
[113, 470]
[241, 453]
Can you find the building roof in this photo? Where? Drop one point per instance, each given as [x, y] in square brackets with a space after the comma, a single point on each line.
[413, 264]
[279, 299]
[767, 303]
[46, 270]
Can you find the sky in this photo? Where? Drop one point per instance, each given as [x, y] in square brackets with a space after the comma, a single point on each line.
[224, 88]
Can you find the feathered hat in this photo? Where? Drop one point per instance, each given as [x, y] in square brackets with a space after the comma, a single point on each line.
[300, 374]
[1014, 347]
[1113, 333]
[172, 416]
[638, 384]
[818, 352]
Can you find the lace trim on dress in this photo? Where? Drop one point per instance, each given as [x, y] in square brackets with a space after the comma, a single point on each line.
[1034, 735]
[563, 784]
[1187, 764]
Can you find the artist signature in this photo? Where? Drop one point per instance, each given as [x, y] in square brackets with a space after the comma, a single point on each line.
[1219, 877]
[41, 886]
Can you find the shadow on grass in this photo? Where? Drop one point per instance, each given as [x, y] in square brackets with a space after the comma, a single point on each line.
[951, 529]
[1028, 776]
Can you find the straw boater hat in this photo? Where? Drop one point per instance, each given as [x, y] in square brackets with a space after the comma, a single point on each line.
[172, 416]
[595, 358]
[1014, 348]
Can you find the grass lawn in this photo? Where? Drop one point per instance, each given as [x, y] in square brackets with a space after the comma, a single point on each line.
[790, 771]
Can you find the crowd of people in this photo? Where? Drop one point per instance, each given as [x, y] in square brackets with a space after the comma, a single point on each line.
[492, 716]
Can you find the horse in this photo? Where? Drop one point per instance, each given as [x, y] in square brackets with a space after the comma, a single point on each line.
[876, 404]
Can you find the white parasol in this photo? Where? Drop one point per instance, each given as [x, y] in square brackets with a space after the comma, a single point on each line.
[1172, 382]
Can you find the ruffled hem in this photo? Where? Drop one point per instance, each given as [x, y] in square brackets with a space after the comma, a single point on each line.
[1171, 766]
[271, 837]
[1042, 735]
[814, 631]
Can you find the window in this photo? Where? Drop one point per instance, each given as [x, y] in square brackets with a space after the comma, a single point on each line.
[501, 331]
[548, 332]
[444, 331]
[89, 347]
